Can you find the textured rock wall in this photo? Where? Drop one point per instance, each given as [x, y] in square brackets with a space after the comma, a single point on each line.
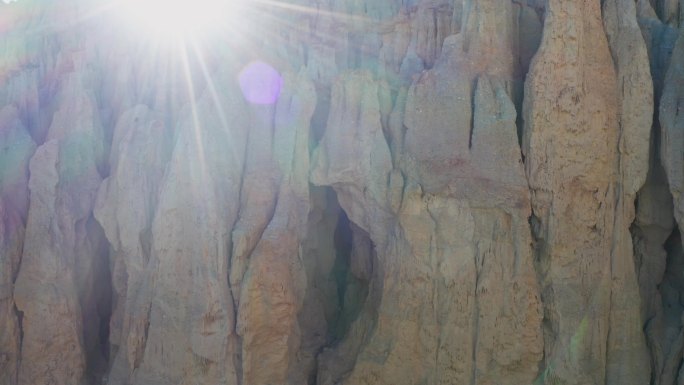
[352, 192]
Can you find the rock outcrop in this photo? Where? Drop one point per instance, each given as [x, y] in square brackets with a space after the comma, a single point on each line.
[16, 150]
[344, 192]
[62, 281]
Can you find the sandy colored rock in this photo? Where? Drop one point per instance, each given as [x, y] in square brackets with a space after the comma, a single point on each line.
[626, 342]
[353, 154]
[62, 257]
[14, 159]
[428, 192]
[197, 207]
[125, 207]
[273, 288]
[571, 157]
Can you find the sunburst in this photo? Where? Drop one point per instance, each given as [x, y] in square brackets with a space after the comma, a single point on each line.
[174, 20]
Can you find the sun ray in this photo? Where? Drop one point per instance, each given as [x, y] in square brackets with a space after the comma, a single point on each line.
[196, 126]
[212, 90]
[172, 20]
[310, 10]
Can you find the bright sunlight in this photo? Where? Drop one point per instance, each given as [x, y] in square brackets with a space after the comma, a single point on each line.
[178, 19]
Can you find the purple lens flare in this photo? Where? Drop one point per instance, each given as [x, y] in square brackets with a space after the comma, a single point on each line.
[260, 83]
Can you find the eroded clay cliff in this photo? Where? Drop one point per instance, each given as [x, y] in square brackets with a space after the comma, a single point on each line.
[394, 192]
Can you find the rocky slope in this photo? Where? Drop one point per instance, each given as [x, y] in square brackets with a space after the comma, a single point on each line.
[344, 192]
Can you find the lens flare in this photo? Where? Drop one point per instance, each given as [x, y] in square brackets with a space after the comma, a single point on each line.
[260, 83]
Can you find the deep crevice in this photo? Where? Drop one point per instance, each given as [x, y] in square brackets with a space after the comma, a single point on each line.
[97, 305]
[338, 311]
[473, 110]
[541, 265]
[20, 323]
[352, 247]
[104, 310]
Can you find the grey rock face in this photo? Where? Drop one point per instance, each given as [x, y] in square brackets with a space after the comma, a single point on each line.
[344, 192]
[17, 149]
[59, 287]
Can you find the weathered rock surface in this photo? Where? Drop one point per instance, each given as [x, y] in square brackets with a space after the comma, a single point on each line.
[16, 150]
[125, 207]
[635, 110]
[344, 192]
[60, 286]
[576, 101]
[672, 123]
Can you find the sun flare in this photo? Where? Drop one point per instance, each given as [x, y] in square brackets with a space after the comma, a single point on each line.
[178, 19]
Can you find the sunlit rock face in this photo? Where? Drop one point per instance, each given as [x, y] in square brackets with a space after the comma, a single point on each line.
[343, 192]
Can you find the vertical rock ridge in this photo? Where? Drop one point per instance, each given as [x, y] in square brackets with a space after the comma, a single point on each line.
[274, 283]
[196, 210]
[14, 159]
[570, 111]
[626, 342]
[125, 207]
[62, 254]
